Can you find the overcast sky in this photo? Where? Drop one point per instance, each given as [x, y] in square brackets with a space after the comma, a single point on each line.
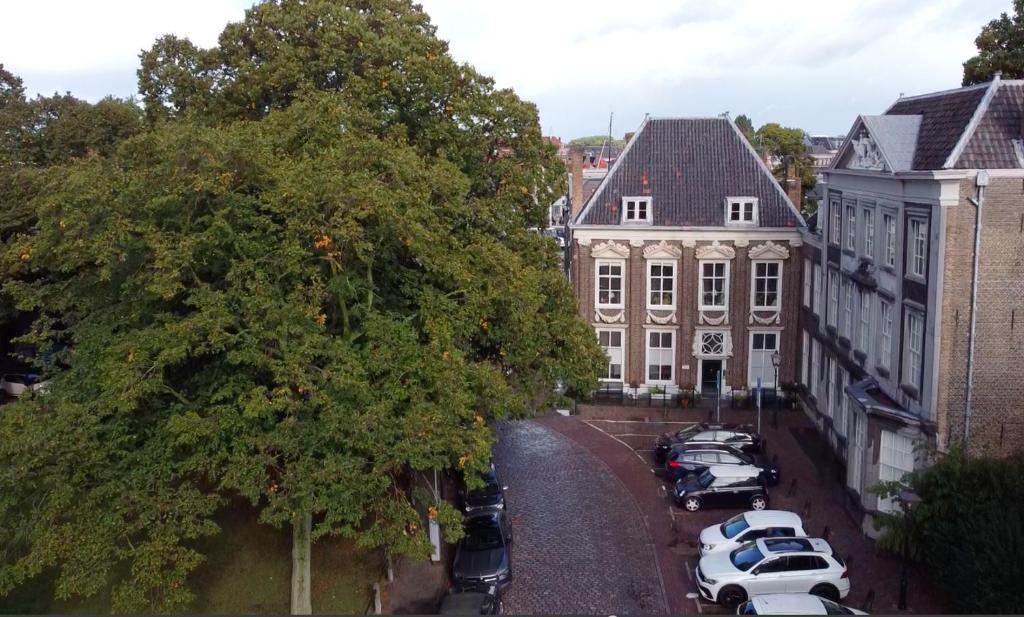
[815, 64]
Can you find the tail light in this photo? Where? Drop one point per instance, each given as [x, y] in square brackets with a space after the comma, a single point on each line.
[674, 464]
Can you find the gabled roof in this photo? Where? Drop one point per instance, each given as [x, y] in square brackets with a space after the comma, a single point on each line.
[896, 137]
[944, 117]
[991, 144]
[689, 166]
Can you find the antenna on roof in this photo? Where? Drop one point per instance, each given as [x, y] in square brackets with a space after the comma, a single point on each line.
[726, 114]
[900, 96]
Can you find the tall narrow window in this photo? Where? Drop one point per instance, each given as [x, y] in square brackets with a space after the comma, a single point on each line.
[851, 227]
[661, 282]
[833, 298]
[885, 353]
[915, 357]
[815, 376]
[762, 346]
[865, 322]
[869, 233]
[807, 283]
[714, 285]
[818, 290]
[660, 356]
[609, 284]
[805, 360]
[834, 208]
[766, 284]
[611, 342]
[833, 369]
[848, 311]
[918, 254]
[889, 222]
[895, 460]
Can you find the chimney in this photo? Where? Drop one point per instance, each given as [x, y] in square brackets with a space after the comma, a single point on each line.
[792, 184]
[575, 180]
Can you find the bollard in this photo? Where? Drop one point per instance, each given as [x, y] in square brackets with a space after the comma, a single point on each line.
[792, 488]
[869, 601]
[825, 533]
[807, 510]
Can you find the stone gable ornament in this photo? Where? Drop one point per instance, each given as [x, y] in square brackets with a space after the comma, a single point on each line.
[715, 250]
[662, 250]
[866, 154]
[610, 249]
[769, 250]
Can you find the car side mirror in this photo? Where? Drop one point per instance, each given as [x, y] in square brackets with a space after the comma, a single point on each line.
[756, 571]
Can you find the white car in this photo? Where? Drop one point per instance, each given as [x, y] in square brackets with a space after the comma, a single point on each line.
[793, 604]
[17, 384]
[772, 565]
[749, 526]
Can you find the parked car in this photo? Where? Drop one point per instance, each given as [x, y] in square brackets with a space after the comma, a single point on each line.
[793, 604]
[483, 555]
[772, 565]
[722, 485]
[685, 459]
[471, 600]
[491, 496]
[17, 384]
[747, 527]
[741, 436]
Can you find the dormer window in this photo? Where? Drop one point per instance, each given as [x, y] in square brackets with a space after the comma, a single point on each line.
[636, 210]
[741, 211]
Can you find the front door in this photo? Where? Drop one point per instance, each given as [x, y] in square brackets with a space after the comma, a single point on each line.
[709, 377]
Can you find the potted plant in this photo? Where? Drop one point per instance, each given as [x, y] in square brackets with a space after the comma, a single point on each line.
[688, 396]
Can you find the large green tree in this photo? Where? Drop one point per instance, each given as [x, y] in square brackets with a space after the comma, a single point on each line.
[789, 145]
[1000, 48]
[310, 275]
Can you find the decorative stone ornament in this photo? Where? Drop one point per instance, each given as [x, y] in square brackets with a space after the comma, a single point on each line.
[769, 250]
[769, 318]
[712, 344]
[661, 321]
[600, 317]
[866, 154]
[714, 321]
[662, 250]
[715, 250]
[610, 249]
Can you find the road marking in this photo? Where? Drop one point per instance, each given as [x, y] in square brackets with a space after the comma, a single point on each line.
[639, 435]
[641, 421]
[618, 440]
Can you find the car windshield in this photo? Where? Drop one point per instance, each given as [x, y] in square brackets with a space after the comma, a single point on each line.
[706, 479]
[746, 556]
[734, 526]
[482, 536]
[490, 487]
[831, 608]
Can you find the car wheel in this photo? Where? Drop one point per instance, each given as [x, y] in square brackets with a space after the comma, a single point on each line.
[758, 503]
[691, 504]
[731, 596]
[826, 591]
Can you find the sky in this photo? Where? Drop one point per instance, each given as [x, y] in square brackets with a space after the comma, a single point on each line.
[813, 64]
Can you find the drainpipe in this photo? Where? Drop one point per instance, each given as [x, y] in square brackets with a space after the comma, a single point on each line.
[981, 182]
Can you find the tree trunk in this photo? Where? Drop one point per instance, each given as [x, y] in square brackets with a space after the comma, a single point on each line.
[302, 604]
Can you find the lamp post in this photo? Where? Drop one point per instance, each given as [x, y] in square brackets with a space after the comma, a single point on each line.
[909, 499]
[776, 360]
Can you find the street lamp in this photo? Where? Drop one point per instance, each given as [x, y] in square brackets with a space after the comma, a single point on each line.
[776, 360]
[909, 499]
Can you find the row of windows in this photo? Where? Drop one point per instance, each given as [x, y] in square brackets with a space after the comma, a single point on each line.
[917, 236]
[660, 355]
[766, 285]
[739, 211]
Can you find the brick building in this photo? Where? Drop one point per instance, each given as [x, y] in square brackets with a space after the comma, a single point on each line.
[888, 281]
[686, 261]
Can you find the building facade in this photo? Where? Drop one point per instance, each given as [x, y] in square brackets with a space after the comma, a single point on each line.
[686, 261]
[888, 282]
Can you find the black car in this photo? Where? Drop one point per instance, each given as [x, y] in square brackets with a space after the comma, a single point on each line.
[483, 555]
[471, 600]
[685, 459]
[742, 437]
[722, 486]
[490, 496]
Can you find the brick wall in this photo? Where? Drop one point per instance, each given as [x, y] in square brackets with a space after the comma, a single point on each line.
[997, 421]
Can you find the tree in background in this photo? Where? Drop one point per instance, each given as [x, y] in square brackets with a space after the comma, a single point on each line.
[1000, 48]
[597, 140]
[746, 126]
[308, 277]
[783, 145]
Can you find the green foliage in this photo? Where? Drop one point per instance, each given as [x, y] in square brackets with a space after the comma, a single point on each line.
[746, 126]
[1000, 48]
[596, 140]
[968, 530]
[308, 275]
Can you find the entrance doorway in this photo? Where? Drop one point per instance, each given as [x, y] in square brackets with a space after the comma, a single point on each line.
[709, 377]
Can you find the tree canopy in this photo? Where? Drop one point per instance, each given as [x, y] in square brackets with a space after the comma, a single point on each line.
[310, 275]
[1000, 48]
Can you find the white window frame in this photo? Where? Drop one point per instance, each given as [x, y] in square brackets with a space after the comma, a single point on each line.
[886, 317]
[778, 285]
[889, 223]
[917, 253]
[640, 205]
[831, 371]
[914, 358]
[835, 208]
[847, 328]
[869, 233]
[832, 318]
[671, 279]
[621, 263]
[842, 403]
[865, 322]
[895, 460]
[851, 227]
[815, 376]
[818, 291]
[725, 286]
[807, 283]
[660, 350]
[805, 360]
[767, 369]
[738, 205]
[621, 351]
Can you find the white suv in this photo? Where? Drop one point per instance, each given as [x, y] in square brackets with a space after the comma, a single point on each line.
[772, 565]
[750, 526]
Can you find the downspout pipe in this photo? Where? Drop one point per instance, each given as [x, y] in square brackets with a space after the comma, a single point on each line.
[981, 181]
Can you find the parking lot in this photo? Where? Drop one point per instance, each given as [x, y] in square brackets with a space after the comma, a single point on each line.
[622, 437]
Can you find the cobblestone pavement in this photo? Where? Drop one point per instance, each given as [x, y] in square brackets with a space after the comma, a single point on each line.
[581, 545]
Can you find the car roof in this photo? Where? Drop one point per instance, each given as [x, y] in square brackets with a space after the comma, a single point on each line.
[788, 604]
[734, 471]
[782, 546]
[769, 518]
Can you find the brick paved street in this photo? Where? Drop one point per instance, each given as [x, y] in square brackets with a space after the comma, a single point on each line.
[581, 544]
